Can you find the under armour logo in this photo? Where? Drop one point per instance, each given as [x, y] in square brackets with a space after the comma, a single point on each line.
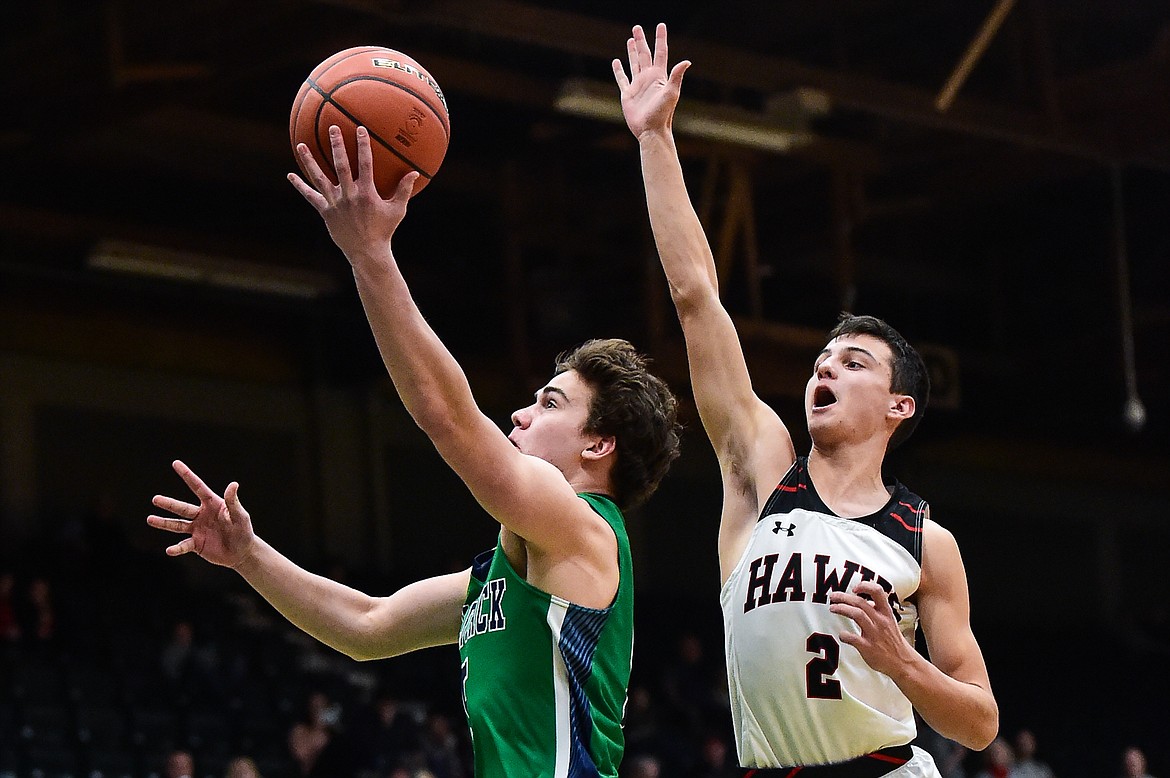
[790, 529]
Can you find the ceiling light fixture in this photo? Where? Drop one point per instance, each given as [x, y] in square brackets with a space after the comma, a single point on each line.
[190, 267]
[783, 126]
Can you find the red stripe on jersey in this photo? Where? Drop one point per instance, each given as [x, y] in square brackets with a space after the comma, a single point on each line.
[888, 758]
[904, 524]
[783, 488]
[911, 507]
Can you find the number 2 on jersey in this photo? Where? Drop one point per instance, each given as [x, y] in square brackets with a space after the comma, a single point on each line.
[818, 685]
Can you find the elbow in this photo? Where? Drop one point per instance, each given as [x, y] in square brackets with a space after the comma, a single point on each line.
[972, 722]
[367, 648]
[988, 731]
[438, 418]
[692, 300]
[353, 653]
[983, 729]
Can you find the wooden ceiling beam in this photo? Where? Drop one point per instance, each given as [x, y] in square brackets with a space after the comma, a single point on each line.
[583, 35]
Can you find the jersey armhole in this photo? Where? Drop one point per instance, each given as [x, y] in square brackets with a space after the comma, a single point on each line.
[481, 565]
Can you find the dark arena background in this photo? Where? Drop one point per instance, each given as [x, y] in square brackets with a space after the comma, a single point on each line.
[991, 177]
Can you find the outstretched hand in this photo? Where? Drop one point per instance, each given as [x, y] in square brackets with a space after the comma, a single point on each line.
[220, 529]
[879, 642]
[356, 215]
[649, 93]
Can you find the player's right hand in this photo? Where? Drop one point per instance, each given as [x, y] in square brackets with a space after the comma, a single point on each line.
[220, 529]
[649, 95]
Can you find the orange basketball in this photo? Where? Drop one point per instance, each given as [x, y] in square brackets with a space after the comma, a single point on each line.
[390, 95]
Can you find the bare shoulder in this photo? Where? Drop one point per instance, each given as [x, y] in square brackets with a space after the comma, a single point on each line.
[942, 564]
[583, 566]
[933, 531]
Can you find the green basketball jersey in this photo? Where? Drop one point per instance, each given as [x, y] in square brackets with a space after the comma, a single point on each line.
[544, 680]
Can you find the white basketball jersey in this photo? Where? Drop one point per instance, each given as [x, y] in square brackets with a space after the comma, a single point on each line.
[799, 696]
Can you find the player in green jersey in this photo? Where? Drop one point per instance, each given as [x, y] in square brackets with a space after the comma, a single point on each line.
[544, 622]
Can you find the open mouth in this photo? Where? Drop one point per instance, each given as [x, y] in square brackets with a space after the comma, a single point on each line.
[823, 397]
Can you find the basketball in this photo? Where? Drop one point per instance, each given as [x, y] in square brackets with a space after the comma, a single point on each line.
[390, 95]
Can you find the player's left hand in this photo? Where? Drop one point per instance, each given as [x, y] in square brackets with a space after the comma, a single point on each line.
[356, 215]
[879, 641]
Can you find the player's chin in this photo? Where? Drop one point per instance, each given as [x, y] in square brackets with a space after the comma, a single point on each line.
[822, 428]
[818, 418]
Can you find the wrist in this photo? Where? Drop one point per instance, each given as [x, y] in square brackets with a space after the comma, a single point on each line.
[656, 135]
[249, 561]
[370, 255]
[906, 668]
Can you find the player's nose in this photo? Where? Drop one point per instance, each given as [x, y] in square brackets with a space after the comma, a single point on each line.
[521, 417]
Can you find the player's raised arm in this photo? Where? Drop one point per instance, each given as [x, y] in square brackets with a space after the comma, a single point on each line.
[527, 495]
[735, 419]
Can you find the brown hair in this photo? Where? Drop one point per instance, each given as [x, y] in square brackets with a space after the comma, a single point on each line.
[634, 406]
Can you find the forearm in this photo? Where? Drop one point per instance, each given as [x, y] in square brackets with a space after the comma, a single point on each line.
[678, 234]
[964, 712]
[719, 375]
[333, 613]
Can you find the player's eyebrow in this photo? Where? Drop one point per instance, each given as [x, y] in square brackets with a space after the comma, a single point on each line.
[553, 390]
[858, 349]
[861, 350]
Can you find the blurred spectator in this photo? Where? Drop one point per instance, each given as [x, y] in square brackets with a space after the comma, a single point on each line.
[242, 767]
[953, 763]
[177, 653]
[715, 760]
[641, 725]
[997, 760]
[642, 766]
[190, 669]
[1027, 766]
[685, 681]
[1133, 763]
[40, 617]
[315, 741]
[9, 623]
[948, 755]
[389, 737]
[441, 747]
[180, 764]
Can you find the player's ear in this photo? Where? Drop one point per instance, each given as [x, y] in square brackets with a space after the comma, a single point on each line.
[601, 447]
[901, 407]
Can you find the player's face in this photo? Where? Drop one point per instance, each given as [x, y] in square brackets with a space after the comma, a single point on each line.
[552, 427]
[848, 397]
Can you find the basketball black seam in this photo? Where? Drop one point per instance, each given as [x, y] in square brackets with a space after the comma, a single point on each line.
[327, 100]
[329, 95]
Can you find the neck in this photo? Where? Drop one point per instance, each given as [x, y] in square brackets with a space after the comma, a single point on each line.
[587, 480]
[849, 477]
